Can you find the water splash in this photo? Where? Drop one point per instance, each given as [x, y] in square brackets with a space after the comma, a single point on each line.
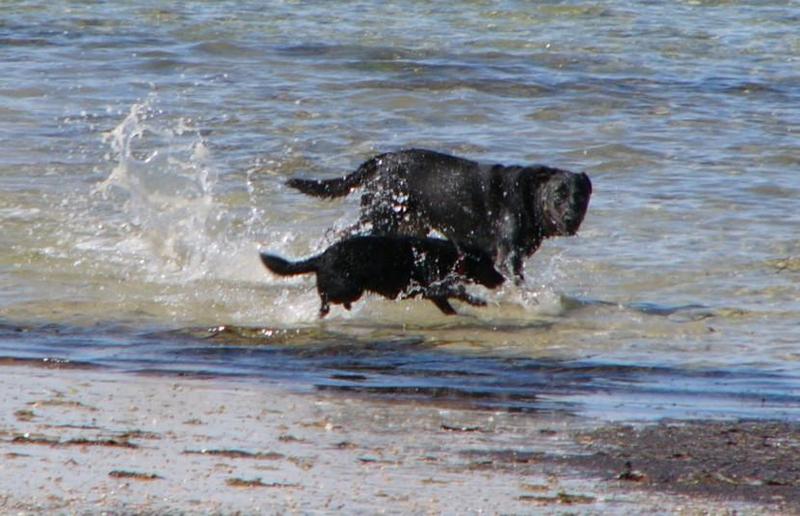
[185, 240]
[177, 229]
[163, 180]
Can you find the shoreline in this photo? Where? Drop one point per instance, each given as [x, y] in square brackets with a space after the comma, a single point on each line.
[78, 440]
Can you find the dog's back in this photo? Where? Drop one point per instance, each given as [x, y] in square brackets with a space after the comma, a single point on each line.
[379, 264]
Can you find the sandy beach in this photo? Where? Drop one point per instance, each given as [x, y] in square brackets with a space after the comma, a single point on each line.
[89, 441]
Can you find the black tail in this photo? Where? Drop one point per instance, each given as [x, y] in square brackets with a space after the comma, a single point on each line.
[341, 185]
[286, 268]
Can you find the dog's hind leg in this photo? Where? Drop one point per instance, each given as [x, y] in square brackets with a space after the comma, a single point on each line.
[518, 266]
[325, 307]
[338, 290]
[391, 212]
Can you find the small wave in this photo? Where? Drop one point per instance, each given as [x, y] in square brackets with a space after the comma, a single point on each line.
[26, 42]
[353, 52]
[224, 48]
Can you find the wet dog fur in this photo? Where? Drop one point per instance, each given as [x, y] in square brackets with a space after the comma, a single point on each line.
[432, 268]
[505, 211]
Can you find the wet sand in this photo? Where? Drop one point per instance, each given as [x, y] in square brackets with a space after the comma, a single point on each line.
[88, 441]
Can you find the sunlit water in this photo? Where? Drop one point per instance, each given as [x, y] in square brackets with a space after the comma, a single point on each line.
[145, 145]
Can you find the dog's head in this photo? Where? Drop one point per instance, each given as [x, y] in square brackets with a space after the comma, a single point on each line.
[478, 267]
[563, 199]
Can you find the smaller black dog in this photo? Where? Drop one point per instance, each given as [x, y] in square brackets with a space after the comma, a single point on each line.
[428, 267]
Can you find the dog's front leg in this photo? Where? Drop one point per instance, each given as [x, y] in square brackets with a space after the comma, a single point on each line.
[460, 293]
[442, 304]
[441, 294]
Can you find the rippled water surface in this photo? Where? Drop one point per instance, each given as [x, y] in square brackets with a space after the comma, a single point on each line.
[145, 145]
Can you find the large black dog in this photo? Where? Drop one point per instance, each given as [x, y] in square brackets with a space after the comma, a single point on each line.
[506, 211]
[429, 267]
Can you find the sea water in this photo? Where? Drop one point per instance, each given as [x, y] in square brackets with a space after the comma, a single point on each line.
[144, 148]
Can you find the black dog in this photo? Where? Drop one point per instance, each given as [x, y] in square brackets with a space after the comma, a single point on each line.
[505, 211]
[430, 267]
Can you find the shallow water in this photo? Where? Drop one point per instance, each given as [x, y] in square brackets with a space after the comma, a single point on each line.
[145, 148]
